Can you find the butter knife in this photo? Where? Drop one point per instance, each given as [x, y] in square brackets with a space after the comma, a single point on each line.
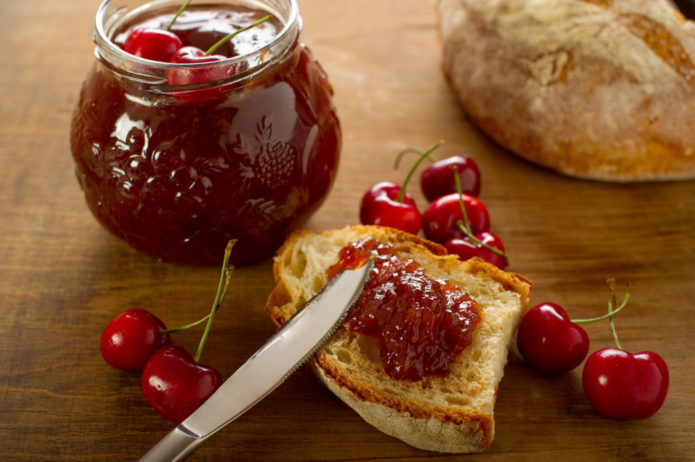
[267, 368]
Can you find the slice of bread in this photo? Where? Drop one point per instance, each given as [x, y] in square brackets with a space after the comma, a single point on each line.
[452, 413]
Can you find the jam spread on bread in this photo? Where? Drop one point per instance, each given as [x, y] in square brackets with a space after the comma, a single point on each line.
[421, 324]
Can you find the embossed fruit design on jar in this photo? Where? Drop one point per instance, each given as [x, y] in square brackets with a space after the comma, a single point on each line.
[178, 157]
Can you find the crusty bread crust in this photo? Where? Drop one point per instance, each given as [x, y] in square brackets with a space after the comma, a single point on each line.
[447, 414]
[598, 89]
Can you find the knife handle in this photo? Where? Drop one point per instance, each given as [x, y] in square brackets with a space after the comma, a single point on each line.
[174, 447]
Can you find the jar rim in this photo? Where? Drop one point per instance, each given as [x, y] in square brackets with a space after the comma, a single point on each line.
[154, 72]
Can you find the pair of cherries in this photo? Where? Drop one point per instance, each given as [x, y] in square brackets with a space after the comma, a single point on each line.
[174, 383]
[165, 46]
[455, 216]
[617, 383]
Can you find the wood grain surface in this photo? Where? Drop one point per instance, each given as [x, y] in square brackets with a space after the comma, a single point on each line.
[62, 277]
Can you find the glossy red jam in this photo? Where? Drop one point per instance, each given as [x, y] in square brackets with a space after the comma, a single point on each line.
[178, 172]
[421, 324]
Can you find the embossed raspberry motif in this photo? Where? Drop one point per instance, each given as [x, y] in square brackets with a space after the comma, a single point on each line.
[275, 159]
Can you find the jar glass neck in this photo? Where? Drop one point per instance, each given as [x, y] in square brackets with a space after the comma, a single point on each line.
[113, 14]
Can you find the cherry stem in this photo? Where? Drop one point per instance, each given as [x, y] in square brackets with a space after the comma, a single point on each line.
[217, 303]
[194, 323]
[423, 156]
[222, 286]
[178, 13]
[185, 327]
[226, 39]
[408, 151]
[611, 312]
[465, 225]
[614, 301]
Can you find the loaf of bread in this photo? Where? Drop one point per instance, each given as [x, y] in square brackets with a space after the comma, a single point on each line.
[452, 413]
[598, 89]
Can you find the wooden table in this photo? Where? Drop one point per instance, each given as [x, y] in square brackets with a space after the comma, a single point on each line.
[62, 277]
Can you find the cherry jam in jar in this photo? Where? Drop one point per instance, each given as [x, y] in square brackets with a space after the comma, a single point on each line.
[421, 324]
[247, 152]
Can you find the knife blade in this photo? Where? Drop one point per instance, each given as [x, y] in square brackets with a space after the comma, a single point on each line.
[267, 368]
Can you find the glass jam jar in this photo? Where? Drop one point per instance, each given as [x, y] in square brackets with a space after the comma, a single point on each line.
[178, 170]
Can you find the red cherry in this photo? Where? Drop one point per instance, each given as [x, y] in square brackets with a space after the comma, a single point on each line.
[197, 75]
[194, 55]
[623, 385]
[440, 218]
[131, 339]
[380, 207]
[189, 55]
[154, 44]
[438, 179]
[190, 76]
[175, 385]
[549, 341]
[466, 249]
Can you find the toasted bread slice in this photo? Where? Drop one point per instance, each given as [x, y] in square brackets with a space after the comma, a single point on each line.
[452, 413]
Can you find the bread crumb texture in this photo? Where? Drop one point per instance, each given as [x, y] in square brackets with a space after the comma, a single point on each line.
[453, 413]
